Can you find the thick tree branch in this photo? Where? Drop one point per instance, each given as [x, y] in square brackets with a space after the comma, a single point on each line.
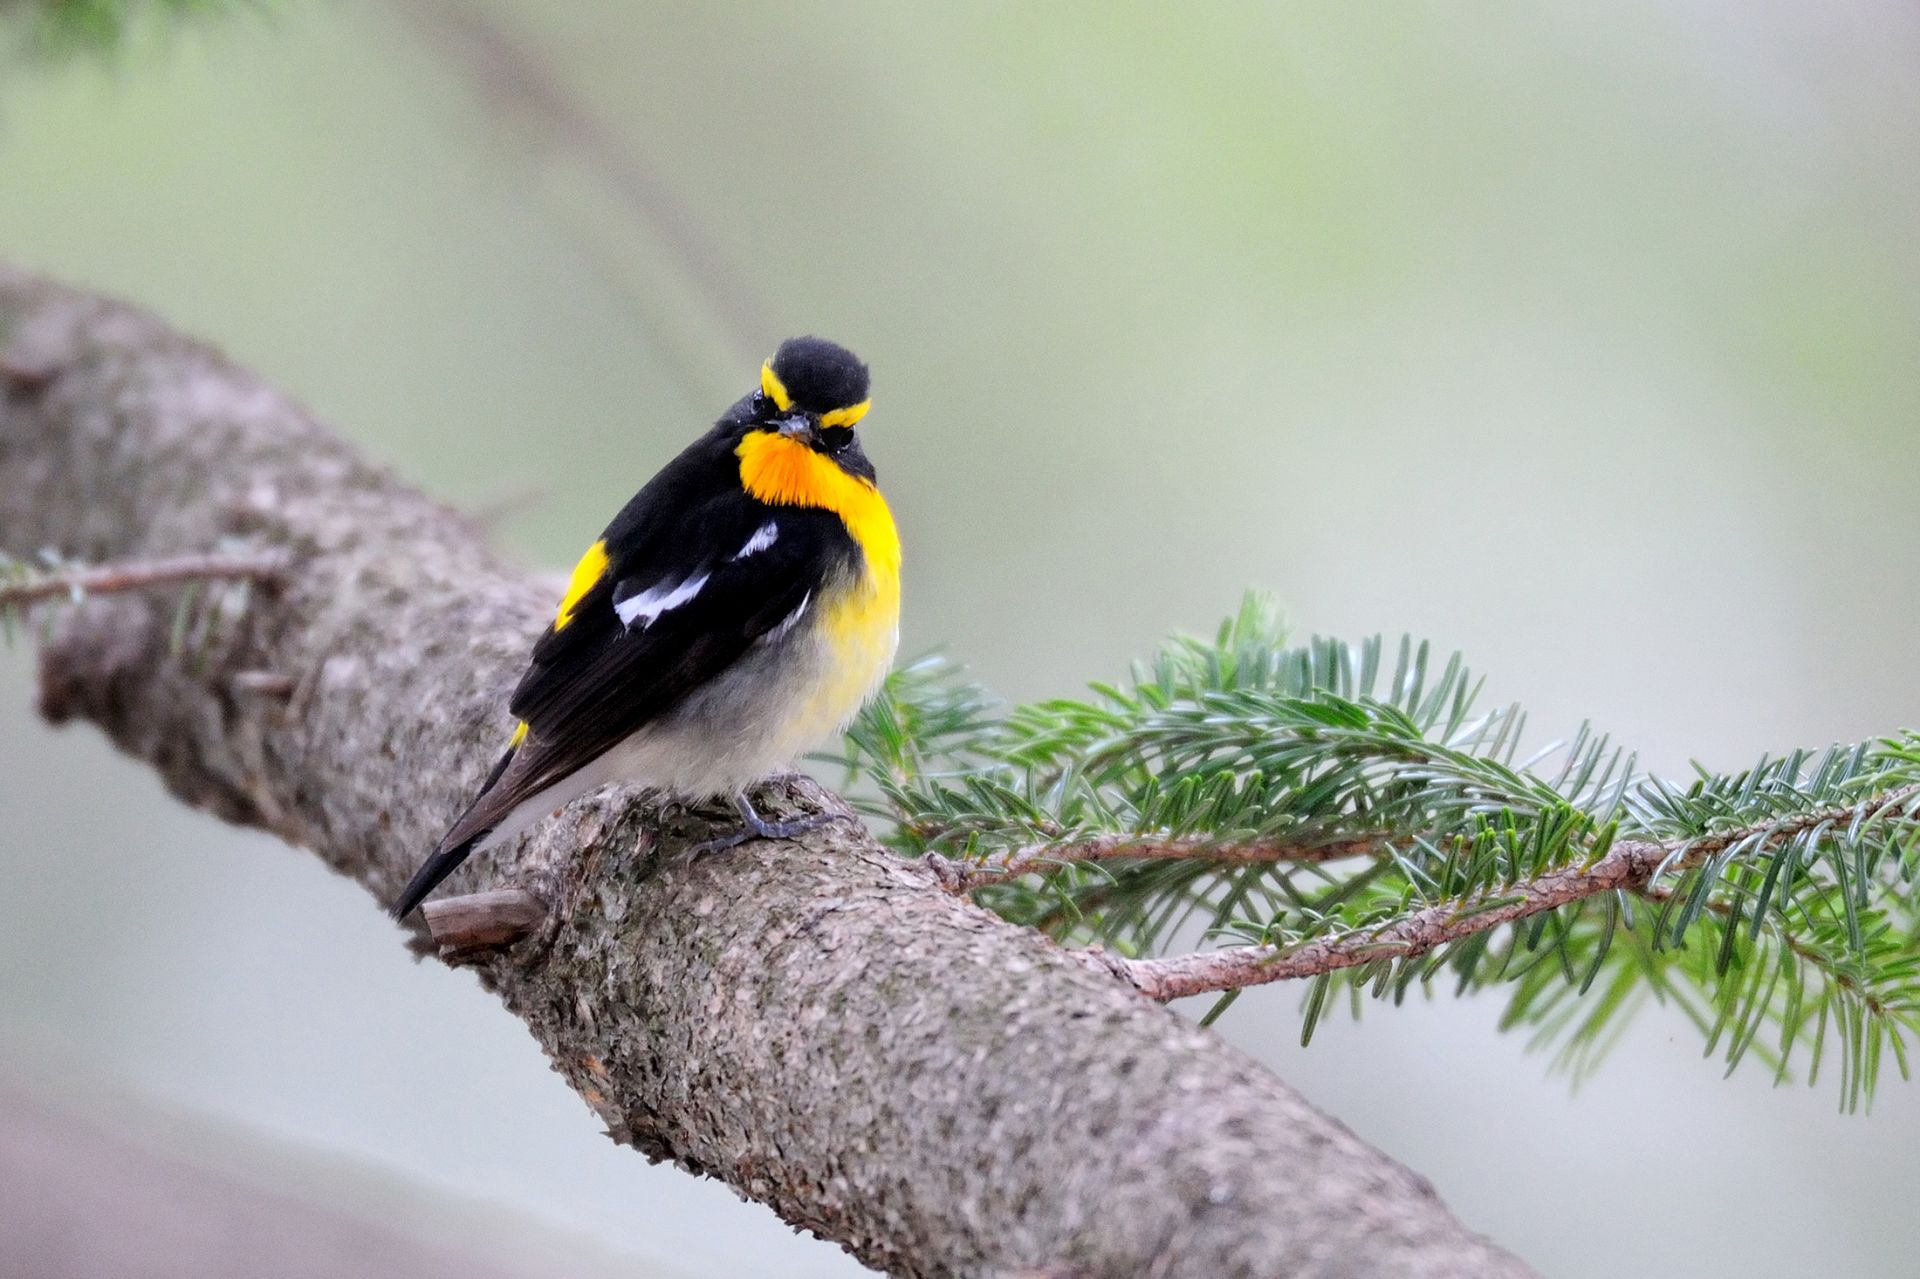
[1629, 865]
[815, 1021]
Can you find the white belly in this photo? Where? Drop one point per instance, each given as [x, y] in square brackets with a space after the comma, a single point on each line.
[784, 696]
[777, 702]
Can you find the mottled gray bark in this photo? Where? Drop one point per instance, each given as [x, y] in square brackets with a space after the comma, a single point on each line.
[816, 1023]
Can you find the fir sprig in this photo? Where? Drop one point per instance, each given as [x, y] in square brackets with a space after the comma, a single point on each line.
[1349, 815]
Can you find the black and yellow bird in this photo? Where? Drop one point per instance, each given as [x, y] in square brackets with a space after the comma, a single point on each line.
[738, 610]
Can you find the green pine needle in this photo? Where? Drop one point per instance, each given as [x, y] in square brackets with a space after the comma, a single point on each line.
[1783, 923]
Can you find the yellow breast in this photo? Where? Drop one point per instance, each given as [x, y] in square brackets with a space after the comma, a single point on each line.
[784, 472]
[859, 619]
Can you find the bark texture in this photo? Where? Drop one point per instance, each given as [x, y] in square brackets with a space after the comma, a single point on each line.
[817, 1023]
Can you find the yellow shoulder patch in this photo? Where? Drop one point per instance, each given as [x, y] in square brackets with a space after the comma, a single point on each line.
[585, 574]
[520, 733]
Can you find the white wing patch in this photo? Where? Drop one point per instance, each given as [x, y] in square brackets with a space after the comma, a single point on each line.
[646, 607]
[788, 622]
[762, 538]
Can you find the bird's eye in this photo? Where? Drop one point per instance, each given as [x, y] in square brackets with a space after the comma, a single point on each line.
[835, 438]
[760, 403]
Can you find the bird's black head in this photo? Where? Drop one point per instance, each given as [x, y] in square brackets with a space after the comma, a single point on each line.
[812, 391]
[819, 376]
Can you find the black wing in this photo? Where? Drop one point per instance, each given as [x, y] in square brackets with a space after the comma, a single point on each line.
[664, 620]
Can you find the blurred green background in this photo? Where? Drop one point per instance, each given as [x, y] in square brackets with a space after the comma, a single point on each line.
[1586, 340]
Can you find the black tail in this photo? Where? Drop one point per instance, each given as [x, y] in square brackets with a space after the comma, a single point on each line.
[447, 858]
[436, 868]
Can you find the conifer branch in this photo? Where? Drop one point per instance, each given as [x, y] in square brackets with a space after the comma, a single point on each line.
[1345, 813]
[1628, 866]
[1000, 868]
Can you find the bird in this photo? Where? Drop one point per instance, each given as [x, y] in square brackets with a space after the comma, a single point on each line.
[739, 609]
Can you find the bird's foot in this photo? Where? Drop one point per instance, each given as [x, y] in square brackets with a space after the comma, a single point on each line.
[754, 826]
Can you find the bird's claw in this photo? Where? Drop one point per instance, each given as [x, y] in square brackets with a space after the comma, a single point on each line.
[755, 826]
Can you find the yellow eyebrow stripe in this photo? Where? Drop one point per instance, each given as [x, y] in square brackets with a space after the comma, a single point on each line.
[847, 416]
[776, 389]
[585, 574]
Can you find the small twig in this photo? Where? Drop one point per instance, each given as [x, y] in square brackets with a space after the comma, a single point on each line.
[1661, 895]
[966, 876]
[1629, 865]
[511, 73]
[132, 575]
[498, 917]
[265, 683]
[488, 515]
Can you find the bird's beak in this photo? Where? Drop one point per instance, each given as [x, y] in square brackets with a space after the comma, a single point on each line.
[796, 426]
